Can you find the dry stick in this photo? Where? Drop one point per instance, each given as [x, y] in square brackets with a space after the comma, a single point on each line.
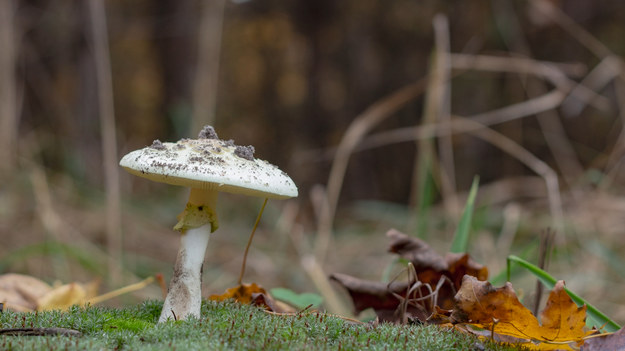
[534, 163]
[548, 70]
[308, 262]
[615, 159]
[207, 71]
[99, 38]
[574, 29]
[361, 125]
[465, 125]
[546, 240]
[53, 223]
[249, 241]
[599, 77]
[553, 72]
[8, 91]
[557, 72]
[549, 120]
[126, 289]
[440, 83]
[512, 112]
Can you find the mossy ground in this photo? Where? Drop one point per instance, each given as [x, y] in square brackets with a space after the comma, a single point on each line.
[223, 326]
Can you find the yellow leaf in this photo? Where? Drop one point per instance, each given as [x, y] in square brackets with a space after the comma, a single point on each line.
[499, 311]
[64, 296]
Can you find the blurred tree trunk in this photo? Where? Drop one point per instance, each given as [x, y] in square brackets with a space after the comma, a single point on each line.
[8, 94]
[207, 67]
[175, 28]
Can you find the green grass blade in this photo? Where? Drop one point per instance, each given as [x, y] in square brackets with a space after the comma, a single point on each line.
[298, 300]
[461, 237]
[595, 317]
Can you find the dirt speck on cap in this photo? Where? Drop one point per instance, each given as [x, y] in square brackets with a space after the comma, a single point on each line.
[208, 132]
[246, 152]
[156, 144]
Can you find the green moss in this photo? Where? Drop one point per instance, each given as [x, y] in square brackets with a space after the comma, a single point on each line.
[224, 326]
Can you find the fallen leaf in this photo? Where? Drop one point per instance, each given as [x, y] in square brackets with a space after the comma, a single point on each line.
[20, 292]
[380, 296]
[499, 311]
[240, 293]
[64, 296]
[432, 270]
[608, 341]
[415, 250]
[253, 294]
[24, 293]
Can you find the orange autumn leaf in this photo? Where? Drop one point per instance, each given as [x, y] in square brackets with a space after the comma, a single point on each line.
[240, 293]
[499, 311]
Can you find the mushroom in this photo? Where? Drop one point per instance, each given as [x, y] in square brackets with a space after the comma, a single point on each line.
[207, 165]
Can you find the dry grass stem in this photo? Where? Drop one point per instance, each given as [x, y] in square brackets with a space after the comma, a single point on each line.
[553, 72]
[527, 158]
[601, 75]
[440, 84]
[8, 89]
[361, 125]
[509, 113]
[576, 31]
[287, 226]
[99, 40]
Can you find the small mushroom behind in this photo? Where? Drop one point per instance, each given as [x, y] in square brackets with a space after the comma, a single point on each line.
[207, 165]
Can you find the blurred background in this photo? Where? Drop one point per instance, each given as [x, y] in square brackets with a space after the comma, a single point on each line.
[382, 112]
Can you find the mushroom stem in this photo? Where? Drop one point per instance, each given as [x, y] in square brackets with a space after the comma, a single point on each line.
[196, 222]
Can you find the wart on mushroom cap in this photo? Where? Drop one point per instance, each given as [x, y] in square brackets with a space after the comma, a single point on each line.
[207, 165]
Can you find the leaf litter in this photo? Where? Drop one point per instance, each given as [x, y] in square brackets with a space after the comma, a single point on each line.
[452, 291]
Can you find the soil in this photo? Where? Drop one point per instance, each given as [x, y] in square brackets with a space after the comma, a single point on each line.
[208, 132]
[246, 152]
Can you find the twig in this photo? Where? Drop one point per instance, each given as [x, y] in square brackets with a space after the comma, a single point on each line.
[39, 332]
[249, 241]
[361, 125]
[574, 29]
[546, 239]
[101, 56]
[607, 70]
[549, 120]
[308, 262]
[509, 113]
[552, 71]
[531, 161]
[466, 125]
[555, 73]
[126, 289]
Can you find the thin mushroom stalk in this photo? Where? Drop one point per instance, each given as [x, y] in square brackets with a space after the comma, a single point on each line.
[196, 222]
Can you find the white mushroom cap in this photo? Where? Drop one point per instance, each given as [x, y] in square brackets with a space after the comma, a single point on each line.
[211, 164]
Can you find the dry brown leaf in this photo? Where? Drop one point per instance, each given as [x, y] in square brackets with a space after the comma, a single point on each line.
[499, 311]
[20, 292]
[431, 270]
[609, 341]
[431, 267]
[380, 296]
